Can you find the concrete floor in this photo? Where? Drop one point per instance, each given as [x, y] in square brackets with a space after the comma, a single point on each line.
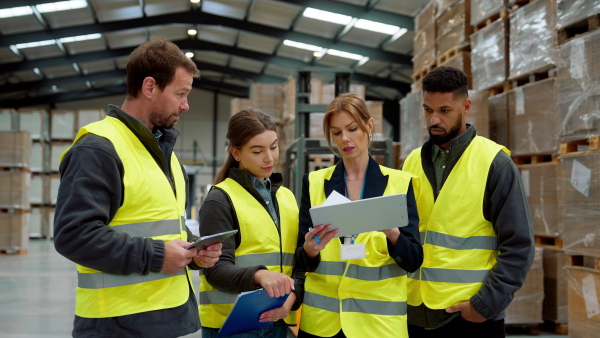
[37, 294]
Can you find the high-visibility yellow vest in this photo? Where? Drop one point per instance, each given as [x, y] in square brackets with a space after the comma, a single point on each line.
[150, 209]
[262, 244]
[366, 297]
[459, 245]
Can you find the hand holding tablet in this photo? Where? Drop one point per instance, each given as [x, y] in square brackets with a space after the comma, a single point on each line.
[202, 242]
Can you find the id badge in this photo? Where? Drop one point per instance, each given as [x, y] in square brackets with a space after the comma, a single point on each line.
[352, 251]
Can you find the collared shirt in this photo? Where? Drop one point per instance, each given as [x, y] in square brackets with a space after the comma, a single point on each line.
[440, 159]
[264, 189]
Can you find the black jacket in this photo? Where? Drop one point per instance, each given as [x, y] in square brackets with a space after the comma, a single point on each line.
[90, 193]
[505, 206]
[408, 253]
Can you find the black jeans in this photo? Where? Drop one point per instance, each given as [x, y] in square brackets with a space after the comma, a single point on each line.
[459, 327]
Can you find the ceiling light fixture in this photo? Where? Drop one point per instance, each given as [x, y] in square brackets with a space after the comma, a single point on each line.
[344, 54]
[189, 54]
[192, 32]
[15, 11]
[302, 46]
[376, 27]
[195, 1]
[61, 6]
[81, 38]
[35, 44]
[318, 14]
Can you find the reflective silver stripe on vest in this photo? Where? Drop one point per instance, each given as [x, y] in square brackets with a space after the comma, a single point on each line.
[149, 229]
[321, 302]
[374, 307]
[374, 273]
[268, 259]
[360, 272]
[454, 275]
[331, 268]
[462, 243]
[217, 297]
[101, 280]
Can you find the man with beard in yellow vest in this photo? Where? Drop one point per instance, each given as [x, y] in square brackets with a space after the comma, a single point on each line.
[474, 221]
[120, 211]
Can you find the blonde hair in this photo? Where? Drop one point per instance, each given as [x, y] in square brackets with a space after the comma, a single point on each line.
[354, 105]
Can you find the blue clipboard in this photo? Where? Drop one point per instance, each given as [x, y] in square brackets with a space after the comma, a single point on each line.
[247, 309]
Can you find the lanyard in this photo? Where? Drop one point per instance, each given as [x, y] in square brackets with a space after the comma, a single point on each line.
[362, 192]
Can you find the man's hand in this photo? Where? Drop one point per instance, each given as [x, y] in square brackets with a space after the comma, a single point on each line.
[467, 311]
[280, 312]
[208, 257]
[276, 284]
[176, 256]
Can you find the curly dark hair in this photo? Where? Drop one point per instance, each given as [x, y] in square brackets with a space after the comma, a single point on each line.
[445, 80]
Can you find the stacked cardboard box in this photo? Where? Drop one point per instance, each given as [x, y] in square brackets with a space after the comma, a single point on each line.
[532, 29]
[484, 9]
[526, 307]
[453, 27]
[239, 104]
[489, 56]
[268, 97]
[412, 121]
[34, 122]
[581, 189]
[424, 41]
[584, 299]
[555, 307]
[498, 112]
[6, 118]
[63, 124]
[578, 78]
[533, 124]
[569, 12]
[543, 189]
[14, 232]
[479, 115]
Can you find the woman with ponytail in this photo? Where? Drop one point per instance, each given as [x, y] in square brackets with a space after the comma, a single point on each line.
[249, 197]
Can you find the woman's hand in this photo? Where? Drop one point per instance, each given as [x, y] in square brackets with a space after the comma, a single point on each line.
[276, 284]
[325, 235]
[280, 312]
[392, 235]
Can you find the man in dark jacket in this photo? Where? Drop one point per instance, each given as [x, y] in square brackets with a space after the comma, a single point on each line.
[475, 223]
[120, 211]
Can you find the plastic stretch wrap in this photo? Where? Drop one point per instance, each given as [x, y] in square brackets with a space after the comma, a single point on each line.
[533, 123]
[479, 115]
[426, 16]
[63, 124]
[569, 12]
[423, 60]
[526, 307]
[443, 5]
[483, 9]
[453, 27]
[15, 188]
[56, 149]
[462, 61]
[14, 234]
[543, 189]
[489, 56]
[584, 299]
[15, 149]
[581, 189]
[498, 112]
[532, 40]
[424, 39]
[578, 78]
[268, 98]
[6, 119]
[555, 307]
[412, 121]
[33, 121]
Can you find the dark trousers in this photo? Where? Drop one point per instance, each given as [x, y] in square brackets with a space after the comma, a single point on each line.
[302, 334]
[459, 327]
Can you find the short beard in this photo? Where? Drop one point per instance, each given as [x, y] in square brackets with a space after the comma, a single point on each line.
[445, 138]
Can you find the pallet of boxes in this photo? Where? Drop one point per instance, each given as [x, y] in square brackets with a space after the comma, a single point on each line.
[15, 181]
[578, 98]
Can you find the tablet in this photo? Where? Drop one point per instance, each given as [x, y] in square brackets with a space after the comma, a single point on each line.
[202, 242]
